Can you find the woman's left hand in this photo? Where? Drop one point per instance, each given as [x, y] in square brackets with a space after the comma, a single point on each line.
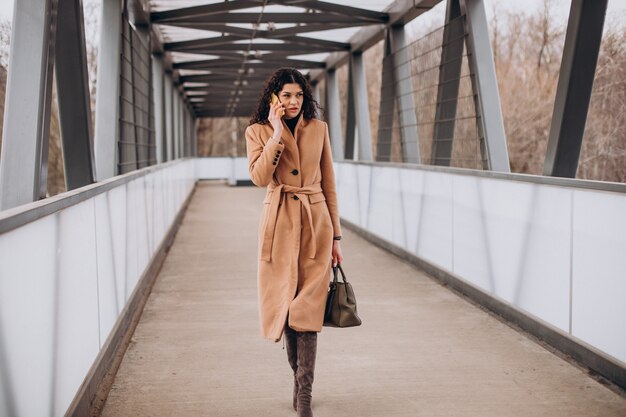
[337, 256]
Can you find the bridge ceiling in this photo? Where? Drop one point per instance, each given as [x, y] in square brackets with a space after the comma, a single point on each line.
[222, 51]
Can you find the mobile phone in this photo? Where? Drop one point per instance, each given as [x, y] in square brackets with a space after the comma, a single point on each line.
[274, 100]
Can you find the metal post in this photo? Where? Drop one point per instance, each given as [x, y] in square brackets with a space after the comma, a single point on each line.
[361, 106]
[179, 124]
[194, 135]
[571, 104]
[158, 75]
[186, 146]
[175, 122]
[333, 110]
[169, 112]
[350, 117]
[485, 86]
[449, 79]
[72, 81]
[316, 92]
[108, 90]
[24, 160]
[387, 103]
[406, 107]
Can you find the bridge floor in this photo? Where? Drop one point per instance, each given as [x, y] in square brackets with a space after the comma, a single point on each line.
[422, 350]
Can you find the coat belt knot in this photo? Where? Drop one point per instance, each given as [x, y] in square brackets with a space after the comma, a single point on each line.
[303, 194]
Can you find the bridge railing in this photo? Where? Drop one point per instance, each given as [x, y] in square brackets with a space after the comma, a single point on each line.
[73, 269]
[547, 253]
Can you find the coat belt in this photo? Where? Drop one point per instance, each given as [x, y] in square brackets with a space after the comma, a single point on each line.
[303, 194]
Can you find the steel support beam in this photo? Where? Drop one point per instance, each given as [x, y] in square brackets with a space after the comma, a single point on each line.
[449, 80]
[181, 128]
[176, 122]
[158, 80]
[194, 134]
[169, 120]
[108, 90]
[485, 86]
[387, 106]
[400, 12]
[571, 104]
[72, 80]
[350, 117]
[26, 131]
[361, 106]
[333, 110]
[204, 10]
[406, 107]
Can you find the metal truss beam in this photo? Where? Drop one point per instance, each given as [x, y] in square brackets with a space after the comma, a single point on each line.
[485, 86]
[308, 42]
[74, 101]
[400, 12]
[202, 43]
[168, 99]
[108, 90]
[334, 8]
[232, 79]
[333, 107]
[278, 33]
[387, 106]
[267, 64]
[286, 48]
[23, 163]
[449, 80]
[204, 10]
[571, 104]
[158, 80]
[406, 107]
[350, 127]
[361, 107]
[253, 18]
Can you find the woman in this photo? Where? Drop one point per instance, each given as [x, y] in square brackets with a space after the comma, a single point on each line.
[299, 232]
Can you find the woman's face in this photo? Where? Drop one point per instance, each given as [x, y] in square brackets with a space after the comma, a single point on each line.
[292, 98]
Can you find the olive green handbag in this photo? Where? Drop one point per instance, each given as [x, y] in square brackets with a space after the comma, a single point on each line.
[341, 303]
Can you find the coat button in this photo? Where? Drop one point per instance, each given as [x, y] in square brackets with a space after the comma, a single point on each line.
[294, 172]
[295, 197]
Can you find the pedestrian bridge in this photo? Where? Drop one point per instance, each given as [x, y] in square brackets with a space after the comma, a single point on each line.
[482, 292]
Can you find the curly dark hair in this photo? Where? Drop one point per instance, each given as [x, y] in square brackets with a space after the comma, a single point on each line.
[274, 84]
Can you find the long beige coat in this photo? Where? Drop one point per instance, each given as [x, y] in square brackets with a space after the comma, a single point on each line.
[299, 218]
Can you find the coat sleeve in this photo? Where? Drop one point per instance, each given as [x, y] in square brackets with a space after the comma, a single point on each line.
[328, 182]
[262, 159]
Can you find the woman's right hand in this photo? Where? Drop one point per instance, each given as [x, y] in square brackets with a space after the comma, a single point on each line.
[274, 117]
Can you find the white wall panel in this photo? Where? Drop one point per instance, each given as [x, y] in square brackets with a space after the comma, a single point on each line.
[599, 271]
[27, 319]
[380, 209]
[56, 312]
[542, 282]
[76, 327]
[347, 192]
[412, 184]
[435, 238]
[522, 241]
[215, 167]
[108, 302]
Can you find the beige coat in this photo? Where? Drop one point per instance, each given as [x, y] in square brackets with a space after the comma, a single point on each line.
[299, 218]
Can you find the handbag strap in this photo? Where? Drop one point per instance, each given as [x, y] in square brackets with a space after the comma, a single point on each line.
[343, 275]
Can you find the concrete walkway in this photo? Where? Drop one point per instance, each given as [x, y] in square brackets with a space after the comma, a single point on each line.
[421, 351]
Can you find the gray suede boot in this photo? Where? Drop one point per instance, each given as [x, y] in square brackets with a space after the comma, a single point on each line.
[292, 357]
[307, 351]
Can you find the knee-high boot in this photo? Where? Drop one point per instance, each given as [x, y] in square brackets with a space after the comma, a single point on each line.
[307, 351]
[292, 357]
